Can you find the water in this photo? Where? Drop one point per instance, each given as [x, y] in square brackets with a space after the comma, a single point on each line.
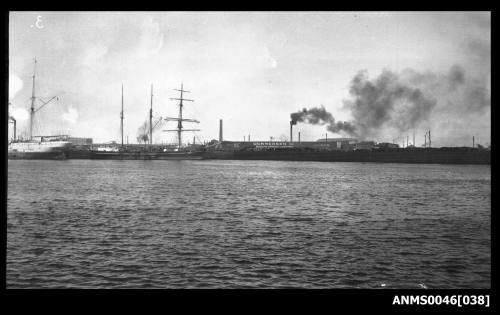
[247, 224]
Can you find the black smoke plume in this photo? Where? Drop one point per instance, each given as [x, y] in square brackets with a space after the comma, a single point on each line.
[319, 116]
[387, 101]
[402, 101]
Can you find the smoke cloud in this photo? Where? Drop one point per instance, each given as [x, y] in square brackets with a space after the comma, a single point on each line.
[387, 101]
[319, 116]
[402, 101]
[15, 85]
[143, 131]
[71, 115]
[19, 113]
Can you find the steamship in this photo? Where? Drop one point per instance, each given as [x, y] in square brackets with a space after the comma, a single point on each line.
[37, 147]
[50, 147]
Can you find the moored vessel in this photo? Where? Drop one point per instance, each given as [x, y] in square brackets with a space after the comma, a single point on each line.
[151, 151]
[37, 147]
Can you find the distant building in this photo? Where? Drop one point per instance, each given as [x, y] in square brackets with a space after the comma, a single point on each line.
[365, 145]
[321, 144]
[339, 143]
[387, 145]
[80, 141]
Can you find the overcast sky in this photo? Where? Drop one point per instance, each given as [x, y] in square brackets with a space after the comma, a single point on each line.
[251, 69]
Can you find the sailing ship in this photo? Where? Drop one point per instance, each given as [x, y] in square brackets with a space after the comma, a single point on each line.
[179, 152]
[37, 147]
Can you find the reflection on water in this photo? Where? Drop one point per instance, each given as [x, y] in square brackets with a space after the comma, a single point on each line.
[256, 224]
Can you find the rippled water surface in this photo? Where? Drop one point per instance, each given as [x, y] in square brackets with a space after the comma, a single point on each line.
[255, 224]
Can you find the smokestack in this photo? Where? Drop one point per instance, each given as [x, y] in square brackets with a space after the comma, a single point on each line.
[14, 121]
[299, 136]
[472, 137]
[220, 130]
[430, 139]
[291, 127]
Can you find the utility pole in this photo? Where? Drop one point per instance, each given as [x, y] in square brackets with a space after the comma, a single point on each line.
[121, 118]
[220, 131]
[151, 121]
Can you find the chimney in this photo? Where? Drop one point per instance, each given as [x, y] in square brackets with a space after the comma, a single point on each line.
[291, 127]
[472, 139]
[299, 136]
[14, 121]
[220, 130]
[429, 138]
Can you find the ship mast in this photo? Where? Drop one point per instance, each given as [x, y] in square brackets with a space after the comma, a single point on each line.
[33, 99]
[179, 120]
[32, 112]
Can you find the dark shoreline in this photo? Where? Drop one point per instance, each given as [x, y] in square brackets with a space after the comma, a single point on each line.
[413, 156]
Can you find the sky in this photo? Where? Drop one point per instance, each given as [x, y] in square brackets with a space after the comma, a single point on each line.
[251, 69]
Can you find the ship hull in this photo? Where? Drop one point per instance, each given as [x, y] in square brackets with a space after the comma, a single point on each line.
[146, 156]
[44, 150]
[79, 154]
[51, 155]
[427, 156]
